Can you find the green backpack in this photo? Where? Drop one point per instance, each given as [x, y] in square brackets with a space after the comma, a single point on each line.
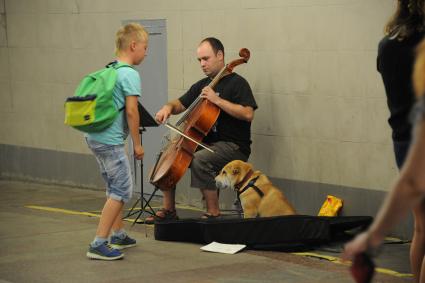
[92, 108]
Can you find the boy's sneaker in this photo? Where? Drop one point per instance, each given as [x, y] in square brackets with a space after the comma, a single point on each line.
[119, 244]
[104, 252]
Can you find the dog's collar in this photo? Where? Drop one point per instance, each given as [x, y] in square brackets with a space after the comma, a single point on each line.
[246, 178]
[251, 184]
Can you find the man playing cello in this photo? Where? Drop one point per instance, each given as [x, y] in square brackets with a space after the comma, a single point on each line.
[230, 137]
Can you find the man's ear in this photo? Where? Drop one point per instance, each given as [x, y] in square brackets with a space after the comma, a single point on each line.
[220, 55]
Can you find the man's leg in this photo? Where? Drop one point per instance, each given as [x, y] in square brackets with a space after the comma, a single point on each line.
[168, 207]
[169, 199]
[205, 167]
[211, 200]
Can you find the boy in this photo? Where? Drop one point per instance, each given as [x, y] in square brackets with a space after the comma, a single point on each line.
[108, 146]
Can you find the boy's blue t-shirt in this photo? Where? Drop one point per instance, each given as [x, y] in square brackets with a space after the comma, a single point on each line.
[128, 84]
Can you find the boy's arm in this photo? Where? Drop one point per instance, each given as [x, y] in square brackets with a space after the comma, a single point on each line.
[133, 124]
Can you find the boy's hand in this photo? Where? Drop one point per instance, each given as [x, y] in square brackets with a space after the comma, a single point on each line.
[139, 152]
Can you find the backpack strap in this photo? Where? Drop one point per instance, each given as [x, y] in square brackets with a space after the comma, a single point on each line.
[116, 65]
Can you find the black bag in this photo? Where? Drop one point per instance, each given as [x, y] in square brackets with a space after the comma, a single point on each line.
[284, 233]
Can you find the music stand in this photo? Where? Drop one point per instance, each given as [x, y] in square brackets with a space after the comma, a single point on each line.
[146, 120]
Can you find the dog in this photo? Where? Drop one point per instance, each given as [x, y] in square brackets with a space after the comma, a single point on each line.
[257, 194]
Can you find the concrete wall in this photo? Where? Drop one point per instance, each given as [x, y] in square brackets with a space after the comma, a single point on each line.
[322, 110]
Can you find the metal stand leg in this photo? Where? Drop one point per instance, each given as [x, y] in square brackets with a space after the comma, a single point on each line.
[144, 203]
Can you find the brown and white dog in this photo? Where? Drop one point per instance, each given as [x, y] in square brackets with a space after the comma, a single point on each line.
[257, 194]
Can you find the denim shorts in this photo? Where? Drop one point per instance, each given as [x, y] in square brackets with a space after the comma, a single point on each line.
[115, 169]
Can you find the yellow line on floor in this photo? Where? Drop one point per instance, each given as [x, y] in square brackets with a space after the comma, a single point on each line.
[97, 213]
[157, 207]
[60, 210]
[72, 212]
[339, 261]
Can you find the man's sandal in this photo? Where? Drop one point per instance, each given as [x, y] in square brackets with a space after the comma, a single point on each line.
[207, 216]
[161, 215]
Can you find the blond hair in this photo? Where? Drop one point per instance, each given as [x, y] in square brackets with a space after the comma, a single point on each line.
[419, 70]
[128, 33]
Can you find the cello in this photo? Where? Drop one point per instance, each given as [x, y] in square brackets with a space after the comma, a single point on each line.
[173, 161]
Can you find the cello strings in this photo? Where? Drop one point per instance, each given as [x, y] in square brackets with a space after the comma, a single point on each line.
[198, 99]
[166, 139]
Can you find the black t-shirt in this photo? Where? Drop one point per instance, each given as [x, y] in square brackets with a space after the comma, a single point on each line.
[235, 89]
[395, 63]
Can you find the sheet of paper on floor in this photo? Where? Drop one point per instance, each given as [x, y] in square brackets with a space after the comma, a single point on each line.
[223, 248]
